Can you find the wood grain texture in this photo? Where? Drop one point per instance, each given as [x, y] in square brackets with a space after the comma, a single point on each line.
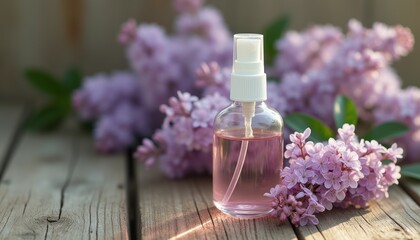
[397, 217]
[10, 116]
[56, 187]
[184, 210]
[412, 187]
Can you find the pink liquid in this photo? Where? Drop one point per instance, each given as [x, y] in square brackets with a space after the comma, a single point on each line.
[260, 172]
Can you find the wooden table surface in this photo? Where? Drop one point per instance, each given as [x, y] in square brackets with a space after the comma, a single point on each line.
[54, 186]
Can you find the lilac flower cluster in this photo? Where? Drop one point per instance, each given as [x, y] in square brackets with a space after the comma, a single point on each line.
[323, 62]
[124, 105]
[113, 101]
[165, 64]
[213, 79]
[343, 172]
[183, 145]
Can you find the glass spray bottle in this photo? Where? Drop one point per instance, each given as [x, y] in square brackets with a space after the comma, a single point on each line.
[248, 137]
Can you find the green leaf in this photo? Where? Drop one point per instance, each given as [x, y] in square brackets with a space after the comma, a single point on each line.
[299, 122]
[412, 170]
[46, 118]
[344, 111]
[45, 82]
[386, 131]
[386, 161]
[272, 33]
[72, 79]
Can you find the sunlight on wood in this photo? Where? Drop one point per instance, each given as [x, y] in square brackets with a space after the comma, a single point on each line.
[183, 234]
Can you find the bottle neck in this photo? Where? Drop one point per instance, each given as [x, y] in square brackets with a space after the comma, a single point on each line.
[241, 104]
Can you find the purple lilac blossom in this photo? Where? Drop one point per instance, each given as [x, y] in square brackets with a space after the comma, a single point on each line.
[115, 131]
[114, 103]
[323, 62]
[101, 94]
[341, 172]
[183, 144]
[150, 57]
[311, 49]
[165, 63]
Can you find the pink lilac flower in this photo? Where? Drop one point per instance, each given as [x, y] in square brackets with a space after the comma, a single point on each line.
[212, 78]
[147, 151]
[128, 32]
[341, 172]
[183, 145]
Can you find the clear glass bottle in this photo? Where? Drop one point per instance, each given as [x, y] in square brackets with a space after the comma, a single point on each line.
[248, 138]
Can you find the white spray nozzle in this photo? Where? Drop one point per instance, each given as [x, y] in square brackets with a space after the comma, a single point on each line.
[248, 80]
[248, 49]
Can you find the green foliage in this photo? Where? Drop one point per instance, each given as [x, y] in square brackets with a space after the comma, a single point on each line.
[59, 91]
[272, 33]
[412, 170]
[299, 122]
[344, 111]
[386, 131]
[72, 79]
[45, 82]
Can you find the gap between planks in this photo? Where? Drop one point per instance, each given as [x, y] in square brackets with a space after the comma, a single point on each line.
[132, 199]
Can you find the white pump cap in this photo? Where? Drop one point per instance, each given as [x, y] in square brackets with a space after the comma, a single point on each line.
[248, 80]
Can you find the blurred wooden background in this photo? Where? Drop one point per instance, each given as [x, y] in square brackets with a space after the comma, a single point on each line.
[56, 34]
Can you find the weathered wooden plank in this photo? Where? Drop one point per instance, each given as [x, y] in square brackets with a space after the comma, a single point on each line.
[412, 187]
[10, 116]
[184, 209]
[397, 217]
[56, 187]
